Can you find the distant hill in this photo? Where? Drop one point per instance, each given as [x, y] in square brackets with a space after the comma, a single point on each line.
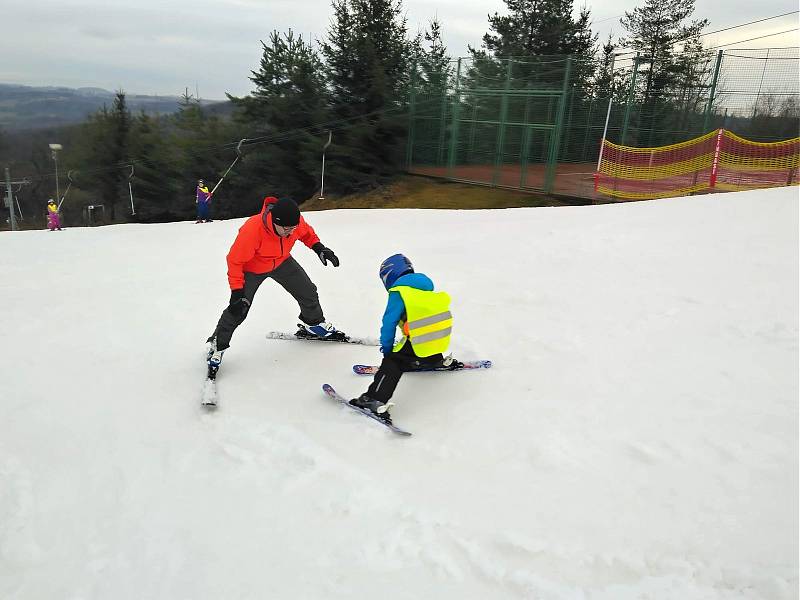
[25, 107]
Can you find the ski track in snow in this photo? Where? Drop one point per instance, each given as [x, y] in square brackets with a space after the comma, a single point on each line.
[508, 564]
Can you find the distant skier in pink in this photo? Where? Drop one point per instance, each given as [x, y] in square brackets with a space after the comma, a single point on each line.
[53, 218]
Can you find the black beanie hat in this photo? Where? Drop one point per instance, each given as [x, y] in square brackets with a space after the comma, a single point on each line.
[285, 213]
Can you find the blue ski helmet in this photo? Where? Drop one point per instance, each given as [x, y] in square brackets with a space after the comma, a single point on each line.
[393, 268]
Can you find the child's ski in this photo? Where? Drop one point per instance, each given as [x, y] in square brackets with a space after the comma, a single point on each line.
[344, 339]
[470, 364]
[382, 420]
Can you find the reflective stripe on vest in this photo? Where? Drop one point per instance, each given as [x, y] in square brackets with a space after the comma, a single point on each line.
[428, 320]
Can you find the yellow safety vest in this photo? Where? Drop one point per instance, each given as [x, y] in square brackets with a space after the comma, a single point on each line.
[428, 320]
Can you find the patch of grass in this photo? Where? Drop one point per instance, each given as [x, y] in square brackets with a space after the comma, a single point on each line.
[422, 192]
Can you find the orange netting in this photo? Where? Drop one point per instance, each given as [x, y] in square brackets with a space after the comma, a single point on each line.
[718, 160]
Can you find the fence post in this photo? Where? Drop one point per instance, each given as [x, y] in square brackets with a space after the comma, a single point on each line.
[442, 125]
[605, 127]
[501, 132]
[411, 109]
[451, 159]
[442, 128]
[588, 130]
[525, 139]
[629, 101]
[471, 151]
[555, 138]
[707, 115]
[715, 163]
[568, 127]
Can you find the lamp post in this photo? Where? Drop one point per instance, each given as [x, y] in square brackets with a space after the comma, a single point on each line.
[54, 148]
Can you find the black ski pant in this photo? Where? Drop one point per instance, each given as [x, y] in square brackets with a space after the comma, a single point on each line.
[392, 368]
[293, 279]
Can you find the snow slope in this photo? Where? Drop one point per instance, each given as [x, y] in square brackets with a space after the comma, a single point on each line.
[637, 436]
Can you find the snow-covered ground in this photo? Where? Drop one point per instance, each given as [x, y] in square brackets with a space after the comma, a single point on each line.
[637, 436]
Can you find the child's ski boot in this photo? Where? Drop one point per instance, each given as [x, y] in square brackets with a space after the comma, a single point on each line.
[376, 407]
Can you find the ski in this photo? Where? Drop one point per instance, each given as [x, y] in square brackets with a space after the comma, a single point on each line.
[343, 339]
[383, 421]
[468, 365]
[208, 397]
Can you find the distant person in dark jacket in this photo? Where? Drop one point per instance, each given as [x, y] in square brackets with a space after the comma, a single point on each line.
[203, 202]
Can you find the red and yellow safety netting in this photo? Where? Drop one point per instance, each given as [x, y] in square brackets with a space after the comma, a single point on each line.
[719, 160]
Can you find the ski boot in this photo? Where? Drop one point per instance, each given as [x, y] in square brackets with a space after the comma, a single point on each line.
[450, 364]
[376, 407]
[322, 331]
[214, 358]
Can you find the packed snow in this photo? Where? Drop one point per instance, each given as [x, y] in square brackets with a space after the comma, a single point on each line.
[637, 436]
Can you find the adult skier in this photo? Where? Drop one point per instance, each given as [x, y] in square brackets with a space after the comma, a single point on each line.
[425, 320]
[203, 202]
[262, 251]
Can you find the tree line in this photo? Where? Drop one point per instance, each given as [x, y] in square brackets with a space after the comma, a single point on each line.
[356, 84]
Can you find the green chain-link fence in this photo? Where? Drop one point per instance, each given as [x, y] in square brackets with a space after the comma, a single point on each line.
[537, 123]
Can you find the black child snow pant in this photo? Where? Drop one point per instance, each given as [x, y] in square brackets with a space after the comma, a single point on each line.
[293, 279]
[392, 368]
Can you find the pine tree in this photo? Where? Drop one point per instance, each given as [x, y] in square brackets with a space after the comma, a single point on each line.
[288, 106]
[157, 177]
[114, 184]
[654, 31]
[434, 65]
[604, 77]
[195, 157]
[693, 70]
[368, 62]
[533, 33]
[103, 152]
[539, 28]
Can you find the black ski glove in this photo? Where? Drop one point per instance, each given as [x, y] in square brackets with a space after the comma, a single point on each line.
[325, 254]
[239, 305]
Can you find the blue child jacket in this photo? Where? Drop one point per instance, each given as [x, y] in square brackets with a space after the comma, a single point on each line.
[396, 309]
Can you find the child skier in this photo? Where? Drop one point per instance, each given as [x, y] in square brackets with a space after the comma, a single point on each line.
[203, 202]
[424, 317]
[53, 218]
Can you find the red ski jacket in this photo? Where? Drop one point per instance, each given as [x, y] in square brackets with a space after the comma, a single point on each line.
[258, 249]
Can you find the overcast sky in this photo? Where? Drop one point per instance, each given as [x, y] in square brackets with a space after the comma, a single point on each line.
[143, 48]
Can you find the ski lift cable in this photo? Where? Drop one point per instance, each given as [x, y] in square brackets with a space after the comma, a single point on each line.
[286, 135]
[728, 29]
